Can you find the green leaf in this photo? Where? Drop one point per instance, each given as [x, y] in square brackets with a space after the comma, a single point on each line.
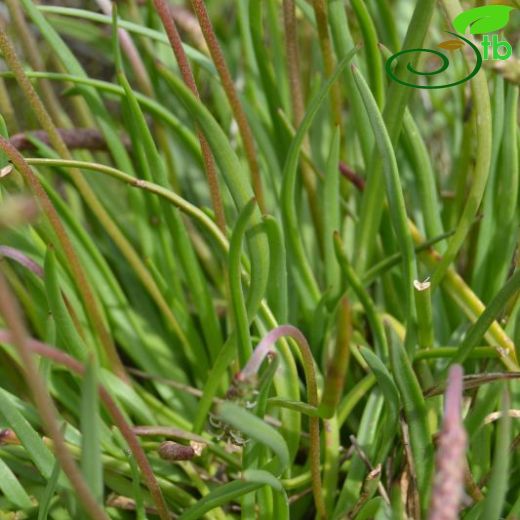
[3, 133]
[46, 498]
[491, 313]
[30, 439]
[277, 286]
[263, 477]
[416, 414]
[91, 464]
[498, 484]
[154, 169]
[332, 213]
[266, 77]
[398, 97]
[235, 283]
[155, 108]
[372, 508]
[366, 437]
[68, 336]
[298, 406]
[259, 476]
[370, 309]
[389, 390]
[373, 56]
[384, 380]
[12, 489]
[220, 496]
[72, 65]
[425, 175]
[256, 429]
[485, 19]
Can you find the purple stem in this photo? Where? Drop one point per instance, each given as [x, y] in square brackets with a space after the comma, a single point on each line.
[22, 259]
[266, 347]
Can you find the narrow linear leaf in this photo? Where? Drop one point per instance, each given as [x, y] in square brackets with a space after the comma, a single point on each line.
[12, 489]
[48, 494]
[332, 213]
[235, 283]
[91, 464]
[384, 380]
[30, 439]
[68, 336]
[497, 490]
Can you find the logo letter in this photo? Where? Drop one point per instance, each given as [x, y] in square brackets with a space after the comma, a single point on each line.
[486, 44]
[497, 45]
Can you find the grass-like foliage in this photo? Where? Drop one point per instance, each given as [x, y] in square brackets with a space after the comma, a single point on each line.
[246, 274]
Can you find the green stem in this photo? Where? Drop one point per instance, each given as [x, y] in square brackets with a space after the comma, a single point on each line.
[185, 206]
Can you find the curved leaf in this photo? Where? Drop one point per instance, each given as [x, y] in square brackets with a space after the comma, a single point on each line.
[218, 497]
[257, 429]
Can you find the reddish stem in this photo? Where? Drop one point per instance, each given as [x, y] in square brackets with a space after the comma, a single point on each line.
[187, 75]
[352, 176]
[74, 365]
[90, 302]
[232, 95]
[11, 313]
[21, 258]
[74, 138]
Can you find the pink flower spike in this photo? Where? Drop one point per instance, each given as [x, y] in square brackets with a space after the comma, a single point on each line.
[453, 397]
[450, 460]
